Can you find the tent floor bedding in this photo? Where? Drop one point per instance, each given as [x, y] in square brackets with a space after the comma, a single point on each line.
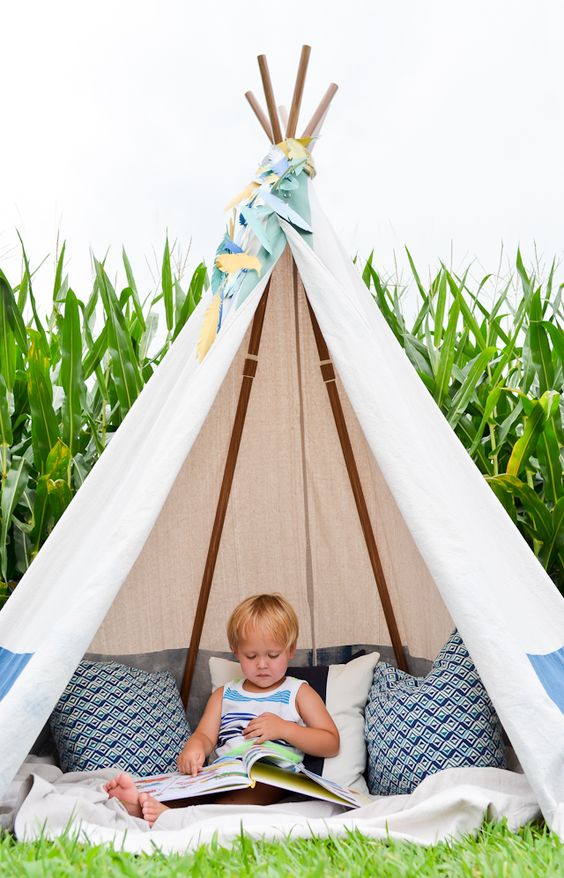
[42, 802]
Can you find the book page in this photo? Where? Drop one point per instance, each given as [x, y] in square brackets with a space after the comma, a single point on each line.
[261, 772]
[276, 753]
[224, 774]
[357, 799]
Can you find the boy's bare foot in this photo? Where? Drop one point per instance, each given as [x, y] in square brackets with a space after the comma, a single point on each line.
[122, 787]
[151, 808]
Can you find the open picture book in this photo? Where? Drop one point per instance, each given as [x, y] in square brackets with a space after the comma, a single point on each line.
[243, 767]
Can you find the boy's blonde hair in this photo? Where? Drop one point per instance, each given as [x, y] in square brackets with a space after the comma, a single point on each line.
[271, 612]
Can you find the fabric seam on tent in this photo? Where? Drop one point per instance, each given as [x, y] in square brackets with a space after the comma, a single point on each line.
[309, 563]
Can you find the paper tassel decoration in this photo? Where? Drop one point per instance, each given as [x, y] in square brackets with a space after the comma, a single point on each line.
[249, 232]
[230, 263]
[209, 328]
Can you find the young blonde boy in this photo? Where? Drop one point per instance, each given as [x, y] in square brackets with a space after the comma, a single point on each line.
[266, 704]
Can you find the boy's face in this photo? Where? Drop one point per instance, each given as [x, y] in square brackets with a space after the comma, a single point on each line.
[264, 662]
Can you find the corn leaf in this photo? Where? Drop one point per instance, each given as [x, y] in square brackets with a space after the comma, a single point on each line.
[179, 299]
[80, 470]
[59, 292]
[548, 453]
[23, 291]
[526, 282]
[507, 424]
[168, 293]
[151, 327]
[467, 432]
[550, 401]
[90, 307]
[71, 373]
[101, 388]
[38, 324]
[553, 548]
[44, 424]
[440, 309]
[193, 296]
[6, 435]
[446, 355]
[59, 495]
[491, 401]
[530, 503]
[128, 271]
[12, 313]
[366, 269]
[525, 446]
[540, 355]
[557, 336]
[12, 489]
[96, 350]
[468, 387]
[134, 291]
[382, 302]
[124, 366]
[466, 311]
[419, 356]
[52, 494]
[420, 286]
[7, 349]
[137, 325]
[40, 514]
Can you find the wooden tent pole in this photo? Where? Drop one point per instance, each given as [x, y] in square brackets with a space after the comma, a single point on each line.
[329, 377]
[298, 92]
[317, 131]
[249, 372]
[269, 96]
[257, 110]
[321, 110]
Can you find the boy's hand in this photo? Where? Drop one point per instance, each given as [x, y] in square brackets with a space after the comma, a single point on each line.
[266, 727]
[191, 758]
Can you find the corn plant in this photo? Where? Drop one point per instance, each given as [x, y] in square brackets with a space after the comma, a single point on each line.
[496, 372]
[66, 383]
[68, 380]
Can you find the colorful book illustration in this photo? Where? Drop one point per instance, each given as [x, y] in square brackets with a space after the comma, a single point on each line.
[243, 767]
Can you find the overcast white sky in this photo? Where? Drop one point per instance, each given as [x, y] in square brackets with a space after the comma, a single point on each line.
[121, 120]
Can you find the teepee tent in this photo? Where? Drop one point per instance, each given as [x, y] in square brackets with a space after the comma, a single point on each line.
[286, 444]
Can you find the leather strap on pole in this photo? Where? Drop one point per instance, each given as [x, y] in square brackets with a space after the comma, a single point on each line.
[249, 372]
[329, 377]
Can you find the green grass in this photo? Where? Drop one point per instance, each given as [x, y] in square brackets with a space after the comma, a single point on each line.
[496, 852]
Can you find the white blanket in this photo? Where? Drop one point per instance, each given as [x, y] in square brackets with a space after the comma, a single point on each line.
[445, 806]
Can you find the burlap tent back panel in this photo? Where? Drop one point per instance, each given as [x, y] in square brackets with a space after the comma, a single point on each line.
[291, 524]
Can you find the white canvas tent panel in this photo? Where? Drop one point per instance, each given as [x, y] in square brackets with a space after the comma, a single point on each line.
[503, 602]
[491, 584]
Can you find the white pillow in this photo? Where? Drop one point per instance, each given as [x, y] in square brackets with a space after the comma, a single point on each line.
[347, 694]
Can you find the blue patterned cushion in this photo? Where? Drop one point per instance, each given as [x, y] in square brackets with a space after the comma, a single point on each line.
[415, 726]
[112, 715]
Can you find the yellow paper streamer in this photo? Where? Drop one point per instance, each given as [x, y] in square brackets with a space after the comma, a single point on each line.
[296, 150]
[231, 224]
[243, 196]
[230, 263]
[208, 331]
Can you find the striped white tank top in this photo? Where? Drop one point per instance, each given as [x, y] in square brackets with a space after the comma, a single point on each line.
[239, 707]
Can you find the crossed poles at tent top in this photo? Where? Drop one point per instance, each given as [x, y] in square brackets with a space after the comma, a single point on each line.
[272, 128]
